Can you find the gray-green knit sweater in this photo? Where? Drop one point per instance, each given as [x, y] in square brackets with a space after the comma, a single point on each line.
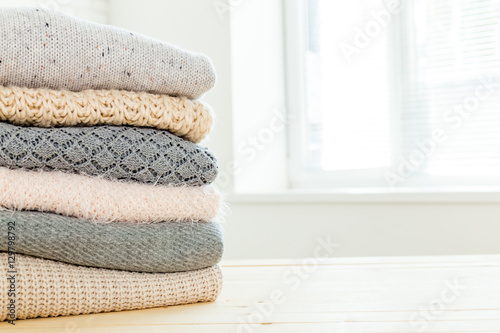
[161, 247]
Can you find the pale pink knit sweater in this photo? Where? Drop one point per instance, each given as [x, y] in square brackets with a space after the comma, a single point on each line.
[104, 200]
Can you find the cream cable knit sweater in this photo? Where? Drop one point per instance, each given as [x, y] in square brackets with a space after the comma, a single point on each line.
[104, 200]
[46, 288]
[191, 120]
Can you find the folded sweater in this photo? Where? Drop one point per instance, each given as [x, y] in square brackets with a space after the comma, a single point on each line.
[191, 120]
[161, 247]
[50, 49]
[127, 153]
[46, 288]
[104, 200]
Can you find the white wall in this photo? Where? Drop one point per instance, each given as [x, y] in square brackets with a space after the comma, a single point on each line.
[272, 228]
[259, 100]
[234, 34]
[93, 10]
[281, 230]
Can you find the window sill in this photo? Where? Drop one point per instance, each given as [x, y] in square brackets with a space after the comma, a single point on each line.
[370, 195]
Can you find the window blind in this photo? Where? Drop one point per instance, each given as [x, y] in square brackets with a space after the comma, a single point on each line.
[433, 68]
[455, 86]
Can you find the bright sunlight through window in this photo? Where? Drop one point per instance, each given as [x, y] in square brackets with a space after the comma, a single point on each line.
[397, 93]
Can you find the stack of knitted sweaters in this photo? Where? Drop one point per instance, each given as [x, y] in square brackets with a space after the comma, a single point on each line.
[105, 196]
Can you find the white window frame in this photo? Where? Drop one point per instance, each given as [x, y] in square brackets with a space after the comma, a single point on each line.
[302, 178]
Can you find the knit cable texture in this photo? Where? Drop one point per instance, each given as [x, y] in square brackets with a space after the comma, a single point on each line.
[50, 49]
[46, 288]
[104, 200]
[191, 120]
[159, 247]
[114, 152]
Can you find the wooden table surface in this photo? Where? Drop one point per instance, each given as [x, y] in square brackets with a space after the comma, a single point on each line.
[397, 294]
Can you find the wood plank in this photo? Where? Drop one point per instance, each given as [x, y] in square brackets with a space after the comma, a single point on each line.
[399, 294]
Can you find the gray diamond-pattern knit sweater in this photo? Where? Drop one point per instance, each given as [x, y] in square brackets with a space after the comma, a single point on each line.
[162, 247]
[127, 153]
[49, 49]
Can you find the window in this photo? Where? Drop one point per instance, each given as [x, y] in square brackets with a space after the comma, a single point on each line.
[394, 93]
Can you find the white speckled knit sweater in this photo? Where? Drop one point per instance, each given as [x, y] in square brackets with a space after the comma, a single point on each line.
[49, 49]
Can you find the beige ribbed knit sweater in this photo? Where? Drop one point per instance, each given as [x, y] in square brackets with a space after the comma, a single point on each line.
[46, 288]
